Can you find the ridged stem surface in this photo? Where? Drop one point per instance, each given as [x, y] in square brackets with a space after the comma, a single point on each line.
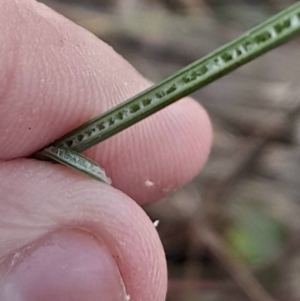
[250, 45]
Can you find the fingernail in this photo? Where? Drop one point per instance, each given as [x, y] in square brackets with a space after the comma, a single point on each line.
[69, 265]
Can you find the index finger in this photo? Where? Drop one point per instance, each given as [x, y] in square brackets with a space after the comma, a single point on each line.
[55, 76]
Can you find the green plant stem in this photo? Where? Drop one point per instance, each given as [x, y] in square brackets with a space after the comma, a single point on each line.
[250, 45]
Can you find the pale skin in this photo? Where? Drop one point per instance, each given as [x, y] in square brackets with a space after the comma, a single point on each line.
[64, 236]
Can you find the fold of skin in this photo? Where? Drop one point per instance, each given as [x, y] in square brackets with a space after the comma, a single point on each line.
[53, 77]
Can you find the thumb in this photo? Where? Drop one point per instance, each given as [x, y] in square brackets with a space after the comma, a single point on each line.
[66, 237]
[67, 265]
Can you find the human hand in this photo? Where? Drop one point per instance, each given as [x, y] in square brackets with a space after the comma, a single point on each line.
[64, 236]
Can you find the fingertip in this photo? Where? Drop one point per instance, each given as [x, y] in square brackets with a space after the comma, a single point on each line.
[159, 154]
[74, 77]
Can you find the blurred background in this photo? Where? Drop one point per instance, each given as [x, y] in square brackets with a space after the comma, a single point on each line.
[232, 233]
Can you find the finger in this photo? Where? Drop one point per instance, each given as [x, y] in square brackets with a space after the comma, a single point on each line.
[61, 239]
[55, 76]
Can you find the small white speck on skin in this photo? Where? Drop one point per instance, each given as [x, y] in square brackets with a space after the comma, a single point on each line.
[127, 298]
[156, 223]
[149, 183]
